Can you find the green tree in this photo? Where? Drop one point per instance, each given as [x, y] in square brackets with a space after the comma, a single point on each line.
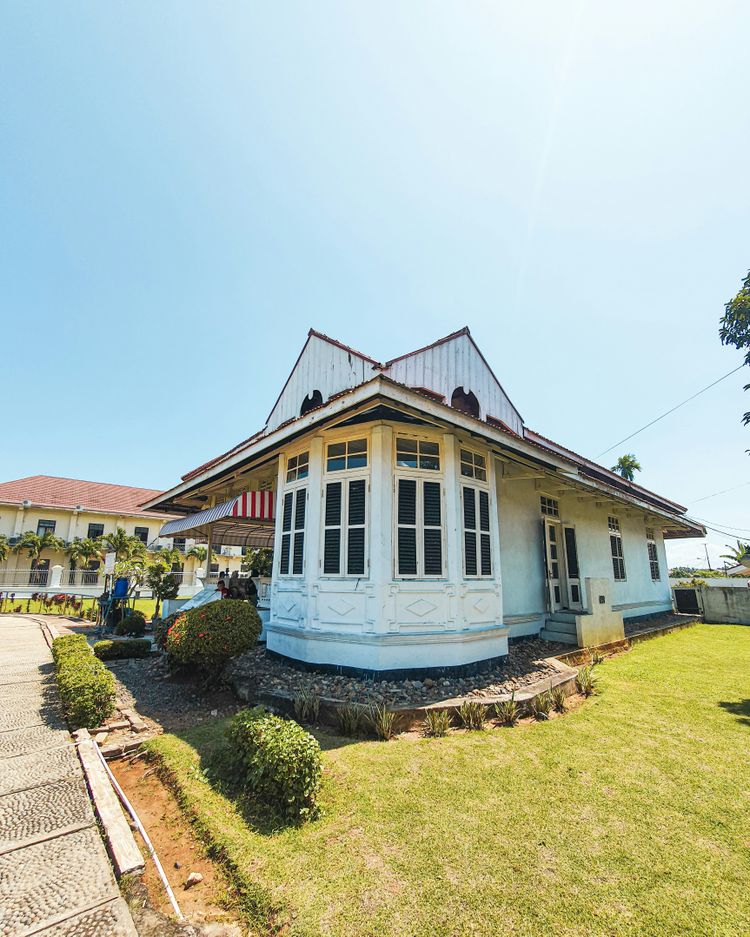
[199, 553]
[125, 546]
[261, 560]
[627, 465]
[161, 581]
[83, 550]
[33, 545]
[736, 553]
[734, 327]
[4, 548]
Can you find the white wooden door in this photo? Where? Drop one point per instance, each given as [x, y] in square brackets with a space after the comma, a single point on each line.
[554, 546]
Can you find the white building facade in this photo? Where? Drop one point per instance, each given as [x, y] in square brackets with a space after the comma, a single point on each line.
[420, 526]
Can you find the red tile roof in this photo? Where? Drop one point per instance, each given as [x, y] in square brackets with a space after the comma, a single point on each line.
[49, 491]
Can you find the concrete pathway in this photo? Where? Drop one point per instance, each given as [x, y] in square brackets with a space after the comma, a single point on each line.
[55, 876]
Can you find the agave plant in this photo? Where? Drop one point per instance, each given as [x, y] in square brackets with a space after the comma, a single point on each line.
[472, 715]
[586, 681]
[540, 705]
[508, 711]
[437, 723]
[307, 706]
[383, 721]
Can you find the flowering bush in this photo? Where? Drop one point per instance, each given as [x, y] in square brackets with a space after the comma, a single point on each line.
[160, 628]
[279, 762]
[208, 636]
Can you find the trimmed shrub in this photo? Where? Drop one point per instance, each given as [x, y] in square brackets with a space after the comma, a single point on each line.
[279, 762]
[133, 622]
[87, 688]
[119, 650]
[437, 723]
[208, 636]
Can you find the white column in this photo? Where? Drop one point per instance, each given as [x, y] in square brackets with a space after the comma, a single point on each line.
[495, 521]
[380, 523]
[72, 525]
[313, 519]
[453, 523]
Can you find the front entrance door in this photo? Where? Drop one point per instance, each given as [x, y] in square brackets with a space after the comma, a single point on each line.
[554, 572]
[573, 575]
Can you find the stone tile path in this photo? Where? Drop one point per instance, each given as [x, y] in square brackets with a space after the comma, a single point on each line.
[55, 876]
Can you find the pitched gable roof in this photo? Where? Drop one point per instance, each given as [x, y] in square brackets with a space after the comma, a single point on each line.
[51, 491]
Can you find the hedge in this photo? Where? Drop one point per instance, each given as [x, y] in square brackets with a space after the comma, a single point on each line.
[279, 763]
[87, 688]
[209, 635]
[118, 650]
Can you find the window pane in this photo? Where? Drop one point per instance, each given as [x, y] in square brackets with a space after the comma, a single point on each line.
[407, 551]
[358, 445]
[336, 449]
[357, 461]
[407, 501]
[429, 462]
[467, 470]
[480, 474]
[433, 552]
[406, 445]
[429, 448]
[406, 459]
[432, 513]
[336, 464]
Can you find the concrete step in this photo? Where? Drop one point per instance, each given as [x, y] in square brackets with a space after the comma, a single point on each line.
[563, 637]
[561, 615]
[557, 624]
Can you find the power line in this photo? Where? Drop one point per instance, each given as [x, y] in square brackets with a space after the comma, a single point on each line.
[717, 493]
[708, 387]
[727, 531]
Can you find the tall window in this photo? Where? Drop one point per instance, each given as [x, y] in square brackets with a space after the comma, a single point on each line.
[477, 551]
[653, 556]
[615, 543]
[44, 527]
[344, 528]
[293, 533]
[179, 543]
[140, 532]
[298, 467]
[419, 534]
[346, 455]
[97, 530]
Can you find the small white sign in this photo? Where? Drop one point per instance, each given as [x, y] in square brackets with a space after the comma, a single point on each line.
[109, 562]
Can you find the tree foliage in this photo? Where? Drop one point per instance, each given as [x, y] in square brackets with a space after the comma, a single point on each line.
[33, 545]
[4, 548]
[736, 553]
[83, 550]
[627, 465]
[734, 327]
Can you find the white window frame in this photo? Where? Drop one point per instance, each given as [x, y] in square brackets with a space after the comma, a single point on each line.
[419, 478]
[295, 490]
[653, 555]
[347, 455]
[477, 531]
[293, 471]
[344, 526]
[419, 440]
[615, 536]
[549, 507]
[471, 464]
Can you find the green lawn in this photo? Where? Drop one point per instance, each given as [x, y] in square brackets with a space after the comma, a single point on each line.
[147, 606]
[630, 815]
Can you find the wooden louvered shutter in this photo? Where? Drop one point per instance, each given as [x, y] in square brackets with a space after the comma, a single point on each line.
[470, 531]
[355, 563]
[332, 535]
[485, 551]
[298, 552]
[286, 528]
[433, 529]
[407, 527]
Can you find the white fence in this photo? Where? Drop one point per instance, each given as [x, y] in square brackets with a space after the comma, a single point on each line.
[26, 580]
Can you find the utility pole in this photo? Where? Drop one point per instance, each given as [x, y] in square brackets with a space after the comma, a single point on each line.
[705, 547]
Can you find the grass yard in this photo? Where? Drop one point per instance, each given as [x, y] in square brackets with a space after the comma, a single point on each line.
[630, 815]
[147, 606]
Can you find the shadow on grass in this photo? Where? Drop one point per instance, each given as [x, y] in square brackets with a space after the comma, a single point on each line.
[740, 709]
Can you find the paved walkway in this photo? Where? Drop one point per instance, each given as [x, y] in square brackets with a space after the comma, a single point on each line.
[55, 876]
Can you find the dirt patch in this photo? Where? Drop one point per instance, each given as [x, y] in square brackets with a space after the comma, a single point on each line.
[180, 853]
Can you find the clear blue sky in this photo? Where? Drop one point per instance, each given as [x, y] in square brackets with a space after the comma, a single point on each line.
[186, 188]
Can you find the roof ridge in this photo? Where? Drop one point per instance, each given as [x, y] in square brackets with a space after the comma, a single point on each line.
[440, 341]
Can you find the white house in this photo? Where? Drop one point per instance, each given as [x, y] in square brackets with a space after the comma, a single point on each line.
[418, 523]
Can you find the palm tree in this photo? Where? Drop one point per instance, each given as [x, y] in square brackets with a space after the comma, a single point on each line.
[124, 546]
[627, 465]
[83, 551]
[736, 553]
[33, 545]
[167, 555]
[199, 554]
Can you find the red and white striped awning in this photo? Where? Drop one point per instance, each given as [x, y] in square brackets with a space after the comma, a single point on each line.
[245, 520]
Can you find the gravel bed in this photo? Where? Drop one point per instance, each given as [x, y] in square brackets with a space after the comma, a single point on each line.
[524, 665]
